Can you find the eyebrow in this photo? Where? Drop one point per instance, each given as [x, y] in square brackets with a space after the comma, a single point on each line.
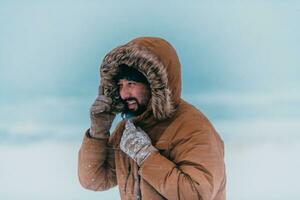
[127, 81]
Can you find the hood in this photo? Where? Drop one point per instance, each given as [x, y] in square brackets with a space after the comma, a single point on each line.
[157, 60]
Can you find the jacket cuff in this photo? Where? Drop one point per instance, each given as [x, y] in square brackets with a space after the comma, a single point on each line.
[87, 134]
[89, 141]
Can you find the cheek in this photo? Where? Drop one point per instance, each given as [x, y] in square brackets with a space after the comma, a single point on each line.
[145, 96]
[142, 94]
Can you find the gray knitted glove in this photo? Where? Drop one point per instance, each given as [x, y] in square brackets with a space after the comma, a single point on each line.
[136, 143]
[101, 117]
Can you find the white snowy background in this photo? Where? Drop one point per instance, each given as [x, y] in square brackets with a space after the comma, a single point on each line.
[240, 66]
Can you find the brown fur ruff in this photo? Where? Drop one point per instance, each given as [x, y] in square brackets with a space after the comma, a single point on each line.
[150, 66]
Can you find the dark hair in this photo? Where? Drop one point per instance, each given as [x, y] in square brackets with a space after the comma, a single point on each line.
[130, 73]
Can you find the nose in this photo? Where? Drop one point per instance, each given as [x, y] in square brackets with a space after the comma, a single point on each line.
[124, 92]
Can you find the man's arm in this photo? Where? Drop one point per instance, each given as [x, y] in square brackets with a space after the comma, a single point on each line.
[195, 171]
[96, 164]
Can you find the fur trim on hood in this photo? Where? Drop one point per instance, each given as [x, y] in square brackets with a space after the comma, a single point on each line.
[157, 60]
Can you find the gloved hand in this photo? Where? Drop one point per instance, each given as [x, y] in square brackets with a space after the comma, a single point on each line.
[101, 117]
[136, 143]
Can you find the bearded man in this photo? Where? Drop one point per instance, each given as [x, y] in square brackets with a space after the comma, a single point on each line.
[164, 148]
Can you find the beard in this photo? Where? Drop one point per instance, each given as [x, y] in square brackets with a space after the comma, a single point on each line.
[133, 113]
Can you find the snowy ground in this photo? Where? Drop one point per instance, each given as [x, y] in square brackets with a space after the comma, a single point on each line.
[263, 165]
[44, 170]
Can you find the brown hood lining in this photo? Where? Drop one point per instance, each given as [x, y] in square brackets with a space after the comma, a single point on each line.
[150, 66]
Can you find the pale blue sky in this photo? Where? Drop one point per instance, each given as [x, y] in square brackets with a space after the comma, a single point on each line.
[243, 52]
[228, 46]
[240, 66]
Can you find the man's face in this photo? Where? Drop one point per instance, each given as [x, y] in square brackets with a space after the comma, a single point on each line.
[135, 95]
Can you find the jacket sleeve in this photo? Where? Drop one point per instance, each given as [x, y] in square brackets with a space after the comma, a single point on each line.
[96, 164]
[194, 169]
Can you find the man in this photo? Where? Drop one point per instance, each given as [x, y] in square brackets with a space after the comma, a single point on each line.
[164, 148]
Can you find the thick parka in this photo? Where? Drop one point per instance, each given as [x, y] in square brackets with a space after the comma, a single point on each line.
[189, 163]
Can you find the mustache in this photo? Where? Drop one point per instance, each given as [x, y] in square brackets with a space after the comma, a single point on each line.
[130, 99]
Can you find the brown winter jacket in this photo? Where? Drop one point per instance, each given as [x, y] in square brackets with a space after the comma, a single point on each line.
[190, 161]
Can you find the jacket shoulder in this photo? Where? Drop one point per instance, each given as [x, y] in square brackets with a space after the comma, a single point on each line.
[190, 127]
[190, 118]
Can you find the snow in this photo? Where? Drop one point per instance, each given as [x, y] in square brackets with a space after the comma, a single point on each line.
[44, 170]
